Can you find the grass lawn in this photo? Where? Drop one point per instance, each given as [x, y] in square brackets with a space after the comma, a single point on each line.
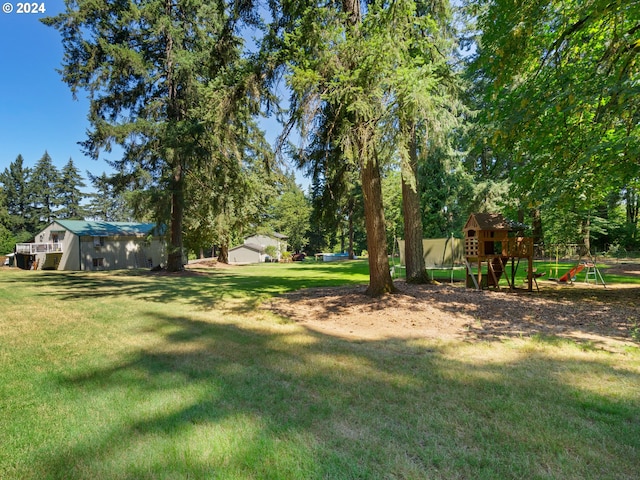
[550, 269]
[128, 375]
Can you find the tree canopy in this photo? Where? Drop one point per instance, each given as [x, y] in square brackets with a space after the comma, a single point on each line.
[549, 128]
[559, 88]
[148, 67]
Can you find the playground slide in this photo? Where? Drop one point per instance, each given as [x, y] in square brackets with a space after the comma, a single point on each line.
[571, 273]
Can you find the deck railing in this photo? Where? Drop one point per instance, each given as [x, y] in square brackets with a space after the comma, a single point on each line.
[33, 248]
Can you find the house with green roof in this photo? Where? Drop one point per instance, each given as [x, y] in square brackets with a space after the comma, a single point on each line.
[93, 245]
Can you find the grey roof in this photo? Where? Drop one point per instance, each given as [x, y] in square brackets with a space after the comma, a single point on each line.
[106, 229]
[249, 246]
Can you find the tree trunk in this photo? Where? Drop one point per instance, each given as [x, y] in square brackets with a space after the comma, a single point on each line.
[586, 235]
[223, 254]
[632, 201]
[538, 240]
[380, 281]
[413, 250]
[175, 256]
[352, 8]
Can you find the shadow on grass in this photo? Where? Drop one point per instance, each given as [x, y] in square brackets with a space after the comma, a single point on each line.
[241, 289]
[219, 400]
[595, 317]
[265, 407]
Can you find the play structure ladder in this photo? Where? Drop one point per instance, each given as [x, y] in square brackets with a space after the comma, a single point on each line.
[593, 273]
[470, 274]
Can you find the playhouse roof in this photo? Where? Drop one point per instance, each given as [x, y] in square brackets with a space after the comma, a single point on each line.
[492, 221]
[487, 221]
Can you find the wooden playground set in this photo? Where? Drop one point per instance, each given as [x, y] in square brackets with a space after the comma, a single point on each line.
[495, 247]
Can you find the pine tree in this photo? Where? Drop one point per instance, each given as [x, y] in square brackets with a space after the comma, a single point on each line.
[70, 195]
[339, 62]
[370, 80]
[107, 203]
[15, 181]
[149, 67]
[43, 186]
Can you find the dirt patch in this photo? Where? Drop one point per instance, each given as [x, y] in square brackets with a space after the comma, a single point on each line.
[208, 263]
[585, 313]
[629, 268]
[188, 271]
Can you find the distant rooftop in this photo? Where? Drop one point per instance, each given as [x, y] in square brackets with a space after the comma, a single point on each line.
[106, 229]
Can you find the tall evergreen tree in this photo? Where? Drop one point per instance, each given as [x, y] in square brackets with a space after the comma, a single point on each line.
[425, 87]
[43, 186]
[70, 195]
[364, 74]
[340, 59]
[15, 181]
[107, 203]
[143, 64]
[4, 211]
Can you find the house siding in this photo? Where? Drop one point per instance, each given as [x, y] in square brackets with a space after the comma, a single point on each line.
[253, 249]
[264, 241]
[245, 254]
[110, 253]
[69, 243]
[120, 252]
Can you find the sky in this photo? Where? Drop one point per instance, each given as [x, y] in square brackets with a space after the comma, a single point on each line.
[37, 110]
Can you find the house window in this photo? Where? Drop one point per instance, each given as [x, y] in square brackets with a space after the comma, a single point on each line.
[98, 241]
[98, 263]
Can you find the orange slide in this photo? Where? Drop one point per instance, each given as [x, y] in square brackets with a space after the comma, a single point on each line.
[571, 274]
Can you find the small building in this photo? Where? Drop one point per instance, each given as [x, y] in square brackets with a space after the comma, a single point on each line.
[93, 245]
[254, 249]
[484, 234]
[492, 240]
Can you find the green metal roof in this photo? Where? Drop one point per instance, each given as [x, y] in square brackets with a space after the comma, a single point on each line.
[106, 229]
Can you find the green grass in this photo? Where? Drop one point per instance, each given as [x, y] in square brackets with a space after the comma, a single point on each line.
[128, 375]
[551, 271]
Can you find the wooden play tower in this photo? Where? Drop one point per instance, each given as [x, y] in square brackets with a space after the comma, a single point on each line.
[491, 244]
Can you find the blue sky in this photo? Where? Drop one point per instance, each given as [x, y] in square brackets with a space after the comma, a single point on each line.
[37, 111]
